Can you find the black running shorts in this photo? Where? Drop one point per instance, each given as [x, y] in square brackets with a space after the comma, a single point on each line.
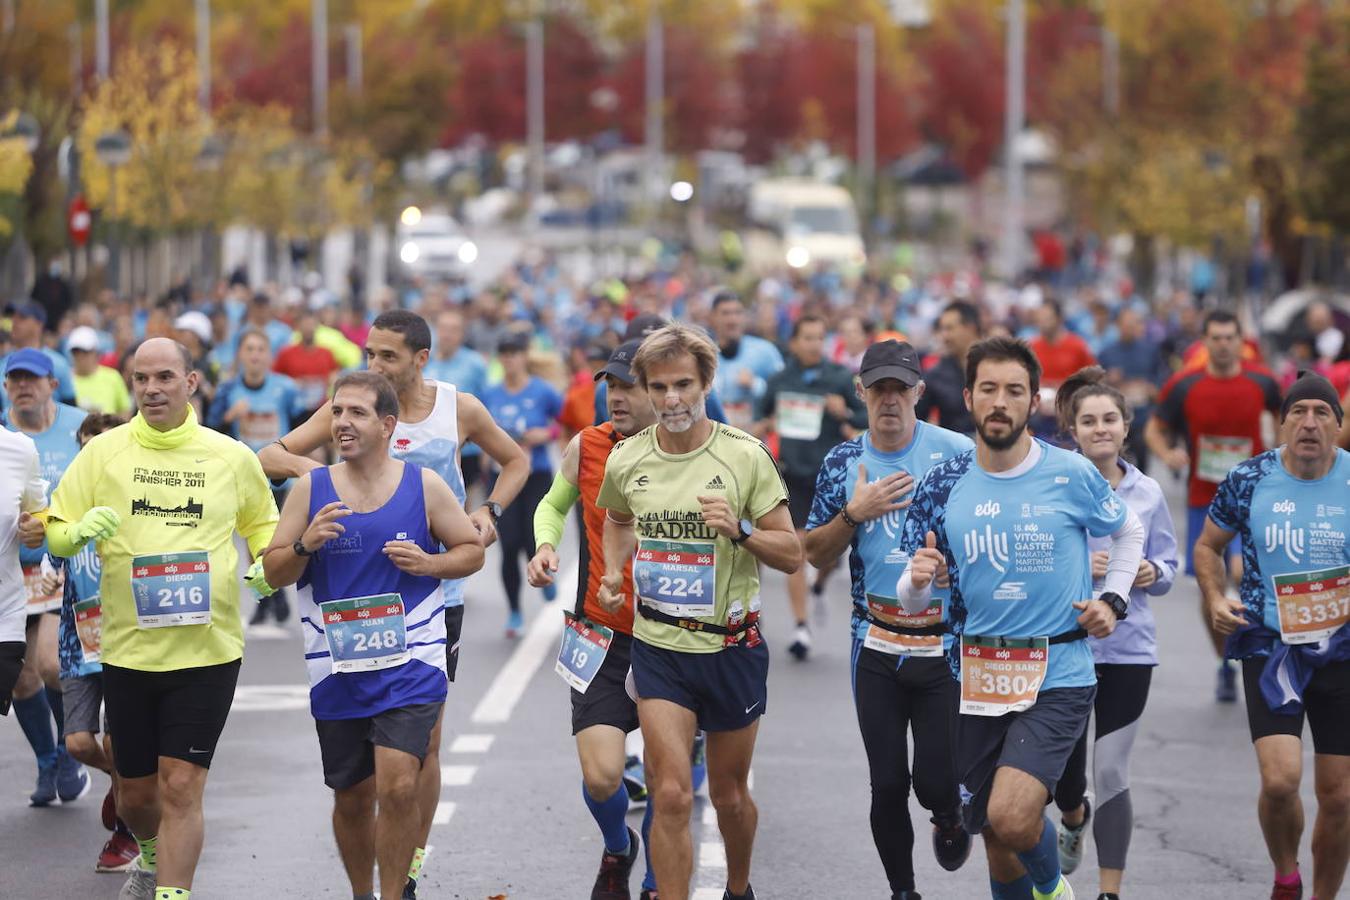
[1326, 706]
[454, 626]
[348, 745]
[178, 714]
[11, 664]
[606, 701]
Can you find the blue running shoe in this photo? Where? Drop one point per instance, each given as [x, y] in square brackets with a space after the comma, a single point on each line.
[45, 792]
[698, 760]
[72, 781]
[550, 592]
[515, 624]
[635, 781]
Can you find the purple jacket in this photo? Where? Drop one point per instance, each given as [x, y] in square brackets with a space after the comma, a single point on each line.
[1135, 641]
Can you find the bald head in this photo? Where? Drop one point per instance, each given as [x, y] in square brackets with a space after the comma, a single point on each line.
[162, 379]
[159, 351]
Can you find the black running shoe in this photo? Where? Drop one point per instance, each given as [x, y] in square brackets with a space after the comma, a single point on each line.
[951, 844]
[748, 895]
[612, 881]
[907, 895]
[410, 889]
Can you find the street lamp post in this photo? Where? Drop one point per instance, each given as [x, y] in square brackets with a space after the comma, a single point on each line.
[113, 149]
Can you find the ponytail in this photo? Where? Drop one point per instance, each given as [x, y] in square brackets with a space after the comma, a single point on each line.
[1089, 381]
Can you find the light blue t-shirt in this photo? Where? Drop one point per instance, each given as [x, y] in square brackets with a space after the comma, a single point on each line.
[272, 407]
[1288, 526]
[762, 359]
[1017, 548]
[83, 571]
[65, 378]
[875, 559]
[56, 447]
[467, 371]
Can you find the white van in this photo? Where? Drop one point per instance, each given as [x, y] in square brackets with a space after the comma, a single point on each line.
[802, 223]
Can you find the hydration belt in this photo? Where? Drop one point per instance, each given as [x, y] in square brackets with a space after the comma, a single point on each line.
[1064, 637]
[695, 624]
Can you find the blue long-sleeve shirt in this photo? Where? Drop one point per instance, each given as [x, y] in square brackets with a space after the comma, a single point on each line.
[1135, 640]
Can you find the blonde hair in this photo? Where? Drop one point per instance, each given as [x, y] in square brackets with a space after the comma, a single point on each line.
[673, 341]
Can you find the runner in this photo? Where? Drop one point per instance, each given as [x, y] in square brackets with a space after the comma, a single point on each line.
[1216, 414]
[435, 420]
[701, 505]
[30, 384]
[26, 494]
[1011, 520]
[637, 329]
[1098, 417]
[943, 401]
[361, 538]
[900, 680]
[312, 367]
[594, 657]
[812, 405]
[465, 368]
[1288, 507]
[164, 497]
[527, 408]
[82, 676]
[745, 361]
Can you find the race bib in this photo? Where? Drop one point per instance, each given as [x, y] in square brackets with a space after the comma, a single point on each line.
[39, 601]
[365, 633]
[889, 611]
[584, 646]
[739, 415]
[676, 577]
[313, 391]
[1216, 456]
[1313, 605]
[799, 416]
[259, 428]
[1001, 675]
[89, 627]
[171, 589]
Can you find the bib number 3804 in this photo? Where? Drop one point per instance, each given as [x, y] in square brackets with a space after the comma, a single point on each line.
[1001, 675]
[171, 589]
[365, 633]
[584, 648]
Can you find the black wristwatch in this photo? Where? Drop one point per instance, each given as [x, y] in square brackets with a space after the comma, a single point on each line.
[1119, 605]
[494, 509]
[299, 549]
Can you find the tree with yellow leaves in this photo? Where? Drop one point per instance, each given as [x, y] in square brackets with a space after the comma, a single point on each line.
[16, 164]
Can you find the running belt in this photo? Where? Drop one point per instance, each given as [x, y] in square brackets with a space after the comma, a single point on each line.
[1067, 637]
[696, 624]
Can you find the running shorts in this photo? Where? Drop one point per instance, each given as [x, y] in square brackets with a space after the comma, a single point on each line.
[727, 690]
[606, 701]
[179, 714]
[1326, 706]
[347, 746]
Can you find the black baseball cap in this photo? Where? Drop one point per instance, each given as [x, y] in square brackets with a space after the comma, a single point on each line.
[643, 325]
[891, 359]
[514, 342]
[620, 363]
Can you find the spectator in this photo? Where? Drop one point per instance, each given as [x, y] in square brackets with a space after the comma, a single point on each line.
[746, 361]
[98, 388]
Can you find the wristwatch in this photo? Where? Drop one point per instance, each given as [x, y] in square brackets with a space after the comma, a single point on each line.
[494, 509]
[299, 549]
[747, 529]
[1119, 605]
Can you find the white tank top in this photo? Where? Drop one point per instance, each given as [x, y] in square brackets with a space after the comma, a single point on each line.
[433, 443]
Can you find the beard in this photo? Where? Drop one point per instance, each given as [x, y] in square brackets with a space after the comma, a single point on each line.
[688, 417]
[1002, 442]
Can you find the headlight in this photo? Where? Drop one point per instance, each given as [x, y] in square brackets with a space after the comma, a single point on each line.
[409, 253]
[468, 252]
[798, 257]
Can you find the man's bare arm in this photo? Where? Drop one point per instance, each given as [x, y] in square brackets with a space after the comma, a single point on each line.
[288, 457]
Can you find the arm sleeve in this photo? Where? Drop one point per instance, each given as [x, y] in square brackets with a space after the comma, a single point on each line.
[1102, 510]
[1127, 548]
[550, 516]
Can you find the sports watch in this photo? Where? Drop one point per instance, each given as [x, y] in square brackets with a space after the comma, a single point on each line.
[1119, 605]
[747, 529]
[494, 509]
[299, 549]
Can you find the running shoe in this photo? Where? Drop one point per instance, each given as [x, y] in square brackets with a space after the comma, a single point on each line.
[281, 607]
[140, 884]
[1225, 691]
[635, 781]
[1106, 896]
[748, 895]
[1288, 891]
[259, 612]
[951, 844]
[118, 853]
[611, 883]
[1071, 840]
[698, 760]
[1062, 891]
[72, 781]
[410, 889]
[45, 792]
[649, 894]
[550, 592]
[109, 812]
[907, 895]
[515, 624]
[801, 643]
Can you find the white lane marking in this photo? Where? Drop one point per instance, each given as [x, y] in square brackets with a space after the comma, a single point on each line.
[270, 697]
[472, 743]
[456, 776]
[266, 632]
[541, 640]
[709, 815]
[708, 894]
[444, 810]
[712, 855]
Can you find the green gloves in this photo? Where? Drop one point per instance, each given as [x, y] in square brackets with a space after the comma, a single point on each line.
[257, 579]
[99, 524]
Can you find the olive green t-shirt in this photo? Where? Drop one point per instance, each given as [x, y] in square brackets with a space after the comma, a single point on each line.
[683, 567]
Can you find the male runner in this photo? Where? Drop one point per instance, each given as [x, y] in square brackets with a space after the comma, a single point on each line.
[362, 538]
[701, 505]
[1011, 521]
[435, 420]
[30, 384]
[24, 492]
[163, 497]
[595, 653]
[1218, 410]
[901, 681]
[745, 361]
[1288, 506]
[809, 403]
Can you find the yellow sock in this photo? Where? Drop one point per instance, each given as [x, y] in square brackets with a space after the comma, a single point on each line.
[172, 893]
[149, 847]
[419, 857]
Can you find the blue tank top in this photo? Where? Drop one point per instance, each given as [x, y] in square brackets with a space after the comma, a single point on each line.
[353, 566]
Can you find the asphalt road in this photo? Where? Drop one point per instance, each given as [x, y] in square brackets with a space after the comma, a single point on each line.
[512, 823]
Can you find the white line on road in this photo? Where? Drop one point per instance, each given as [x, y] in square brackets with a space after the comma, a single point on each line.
[270, 697]
[540, 641]
[708, 894]
[712, 855]
[444, 810]
[456, 776]
[709, 815]
[472, 743]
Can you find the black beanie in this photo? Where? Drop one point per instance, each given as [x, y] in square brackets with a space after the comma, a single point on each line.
[1311, 386]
